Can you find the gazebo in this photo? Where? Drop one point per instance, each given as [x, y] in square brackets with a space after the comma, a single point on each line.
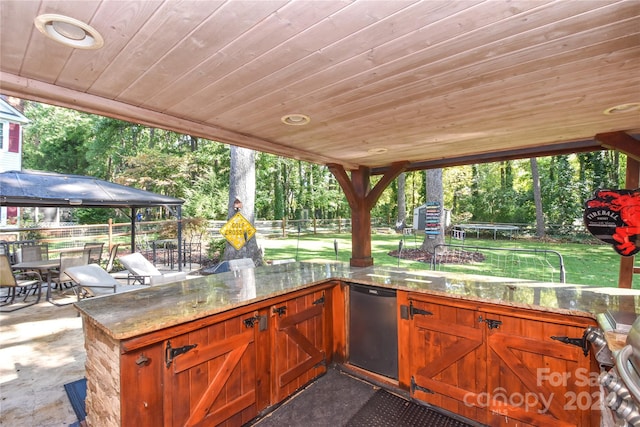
[49, 189]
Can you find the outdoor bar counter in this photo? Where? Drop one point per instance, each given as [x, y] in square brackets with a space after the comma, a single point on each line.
[230, 346]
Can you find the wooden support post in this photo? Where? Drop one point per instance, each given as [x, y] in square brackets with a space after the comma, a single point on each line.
[361, 199]
[625, 276]
[630, 146]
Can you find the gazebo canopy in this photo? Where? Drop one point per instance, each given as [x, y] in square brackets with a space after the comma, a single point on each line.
[47, 189]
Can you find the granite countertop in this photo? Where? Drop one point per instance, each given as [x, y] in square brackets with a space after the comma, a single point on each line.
[129, 314]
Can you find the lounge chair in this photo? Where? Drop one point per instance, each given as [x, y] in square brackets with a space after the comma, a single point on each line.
[18, 282]
[144, 272]
[92, 280]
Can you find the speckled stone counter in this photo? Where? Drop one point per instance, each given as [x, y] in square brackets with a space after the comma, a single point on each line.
[131, 314]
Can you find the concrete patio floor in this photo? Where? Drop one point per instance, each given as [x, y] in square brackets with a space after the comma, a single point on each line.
[41, 349]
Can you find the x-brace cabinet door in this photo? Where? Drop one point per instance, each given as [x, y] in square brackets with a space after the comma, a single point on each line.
[537, 380]
[210, 374]
[299, 343]
[446, 356]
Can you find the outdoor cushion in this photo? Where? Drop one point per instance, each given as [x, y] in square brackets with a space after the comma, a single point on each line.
[93, 280]
[140, 269]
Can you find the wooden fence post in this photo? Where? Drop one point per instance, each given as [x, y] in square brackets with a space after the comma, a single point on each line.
[110, 233]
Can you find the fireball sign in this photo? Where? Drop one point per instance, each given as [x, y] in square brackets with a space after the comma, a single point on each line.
[238, 231]
[613, 216]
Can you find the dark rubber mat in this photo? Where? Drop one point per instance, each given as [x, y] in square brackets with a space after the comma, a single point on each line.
[385, 410]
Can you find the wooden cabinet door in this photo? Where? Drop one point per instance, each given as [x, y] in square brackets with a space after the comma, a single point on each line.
[535, 379]
[141, 386]
[211, 378]
[447, 356]
[299, 343]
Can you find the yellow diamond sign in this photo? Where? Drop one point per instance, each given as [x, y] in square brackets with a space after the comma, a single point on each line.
[238, 231]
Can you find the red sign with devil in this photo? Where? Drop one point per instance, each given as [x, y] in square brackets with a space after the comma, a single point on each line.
[613, 216]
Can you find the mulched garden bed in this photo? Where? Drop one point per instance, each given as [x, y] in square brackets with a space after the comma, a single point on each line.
[448, 257]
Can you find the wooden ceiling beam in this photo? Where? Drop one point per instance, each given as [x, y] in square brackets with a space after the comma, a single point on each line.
[524, 153]
[39, 91]
[622, 142]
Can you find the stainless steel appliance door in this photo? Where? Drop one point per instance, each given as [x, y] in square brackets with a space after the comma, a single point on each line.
[373, 329]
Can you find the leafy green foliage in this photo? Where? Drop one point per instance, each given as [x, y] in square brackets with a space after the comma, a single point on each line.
[197, 171]
[93, 216]
[215, 249]
[57, 140]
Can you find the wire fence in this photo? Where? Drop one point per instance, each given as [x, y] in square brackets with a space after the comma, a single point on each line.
[532, 264]
[60, 236]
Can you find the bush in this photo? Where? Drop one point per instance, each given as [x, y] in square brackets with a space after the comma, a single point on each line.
[215, 249]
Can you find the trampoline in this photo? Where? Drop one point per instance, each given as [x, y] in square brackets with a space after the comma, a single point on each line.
[510, 229]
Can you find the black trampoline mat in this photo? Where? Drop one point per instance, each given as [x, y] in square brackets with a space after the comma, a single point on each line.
[385, 409]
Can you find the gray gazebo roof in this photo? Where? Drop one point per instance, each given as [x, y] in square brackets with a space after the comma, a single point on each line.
[48, 189]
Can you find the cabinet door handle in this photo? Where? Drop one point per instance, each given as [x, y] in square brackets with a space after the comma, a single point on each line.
[256, 318]
[142, 360]
[491, 323]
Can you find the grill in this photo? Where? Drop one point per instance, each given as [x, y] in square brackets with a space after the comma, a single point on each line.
[621, 384]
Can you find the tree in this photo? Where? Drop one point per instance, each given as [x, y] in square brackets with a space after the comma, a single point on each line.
[560, 195]
[435, 194]
[401, 221]
[242, 187]
[537, 197]
[56, 139]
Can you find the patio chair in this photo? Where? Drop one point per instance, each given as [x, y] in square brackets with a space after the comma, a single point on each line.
[142, 271]
[93, 280]
[94, 252]
[68, 260]
[4, 247]
[14, 283]
[34, 253]
[113, 253]
[15, 249]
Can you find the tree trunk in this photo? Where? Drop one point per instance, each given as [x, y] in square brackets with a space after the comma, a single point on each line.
[278, 196]
[402, 203]
[435, 198]
[242, 186]
[537, 197]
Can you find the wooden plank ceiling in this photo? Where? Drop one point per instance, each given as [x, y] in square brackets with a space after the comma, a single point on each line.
[427, 82]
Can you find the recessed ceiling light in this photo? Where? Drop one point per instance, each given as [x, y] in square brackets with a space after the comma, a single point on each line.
[295, 119]
[623, 108]
[69, 31]
[377, 151]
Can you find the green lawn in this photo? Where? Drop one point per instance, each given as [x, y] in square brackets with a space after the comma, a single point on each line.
[595, 265]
